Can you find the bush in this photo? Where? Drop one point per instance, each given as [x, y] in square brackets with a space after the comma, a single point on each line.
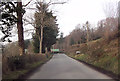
[13, 63]
[11, 49]
[5, 68]
[16, 62]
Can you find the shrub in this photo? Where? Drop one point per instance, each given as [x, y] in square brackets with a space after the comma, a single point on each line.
[16, 62]
[13, 63]
[5, 68]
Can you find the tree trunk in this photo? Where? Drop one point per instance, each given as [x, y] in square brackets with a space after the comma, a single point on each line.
[87, 35]
[20, 29]
[41, 39]
[41, 28]
[46, 50]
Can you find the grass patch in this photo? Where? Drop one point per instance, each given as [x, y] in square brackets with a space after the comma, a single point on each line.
[100, 54]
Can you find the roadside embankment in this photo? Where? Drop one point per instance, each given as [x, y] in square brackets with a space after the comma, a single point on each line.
[99, 54]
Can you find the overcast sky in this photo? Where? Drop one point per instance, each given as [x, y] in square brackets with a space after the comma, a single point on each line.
[80, 11]
[75, 12]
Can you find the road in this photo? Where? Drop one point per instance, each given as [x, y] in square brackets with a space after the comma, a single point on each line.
[63, 67]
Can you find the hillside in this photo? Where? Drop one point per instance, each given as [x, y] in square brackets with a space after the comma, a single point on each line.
[98, 53]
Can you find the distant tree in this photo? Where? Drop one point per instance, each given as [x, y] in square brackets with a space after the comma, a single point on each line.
[111, 6]
[61, 38]
[61, 35]
[111, 21]
[111, 28]
[72, 41]
[97, 33]
[61, 41]
[78, 42]
[27, 42]
[35, 43]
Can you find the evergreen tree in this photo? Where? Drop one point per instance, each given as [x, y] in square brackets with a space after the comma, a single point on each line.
[49, 39]
[49, 31]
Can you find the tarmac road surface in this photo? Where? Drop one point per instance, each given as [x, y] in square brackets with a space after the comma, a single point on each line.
[63, 67]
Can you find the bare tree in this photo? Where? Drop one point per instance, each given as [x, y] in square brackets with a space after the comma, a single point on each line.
[111, 9]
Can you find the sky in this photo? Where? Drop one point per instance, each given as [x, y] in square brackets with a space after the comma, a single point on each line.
[75, 12]
[72, 13]
[78, 12]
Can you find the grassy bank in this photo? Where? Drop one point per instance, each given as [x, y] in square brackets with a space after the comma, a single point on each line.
[31, 62]
[98, 53]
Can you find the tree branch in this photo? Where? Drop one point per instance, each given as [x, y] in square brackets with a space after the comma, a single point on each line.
[57, 3]
[27, 4]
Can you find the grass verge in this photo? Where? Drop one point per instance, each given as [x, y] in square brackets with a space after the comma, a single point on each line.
[23, 73]
[95, 66]
[99, 54]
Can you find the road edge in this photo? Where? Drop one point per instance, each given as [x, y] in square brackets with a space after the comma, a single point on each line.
[29, 73]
